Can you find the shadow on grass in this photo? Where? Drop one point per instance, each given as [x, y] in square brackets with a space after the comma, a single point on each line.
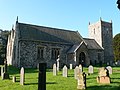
[114, 82]
[37, 83]
[31, 83]
[70, 75]
[103, 87]
[51, 83]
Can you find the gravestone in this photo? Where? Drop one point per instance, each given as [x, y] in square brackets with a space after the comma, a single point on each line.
[81, 81]
[76, 71]
[109, 68]
[103, 72]
[90, 69]
[14, 79]
[42, 76]
[81, 69]
[103, 76]
[65, 71]
[70, 66]
[58, 63]
[22, 76]
[54, 70]
[5, 74]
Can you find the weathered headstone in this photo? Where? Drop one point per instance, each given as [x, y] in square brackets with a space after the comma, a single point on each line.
[81, 69]
[90, 69]
[70, 66]
[76, 71]
[54, 70]
[65, 71]
[14, 79]
[5, 74]
[58, 63]
[103, 72]
[81, 81]
[109, 68]
[103, 76]
[22, 76]
[42, 76]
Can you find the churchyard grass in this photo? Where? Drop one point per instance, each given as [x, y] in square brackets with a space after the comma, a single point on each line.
[58, 82]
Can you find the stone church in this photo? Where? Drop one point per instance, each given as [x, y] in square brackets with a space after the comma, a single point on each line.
[29, 45]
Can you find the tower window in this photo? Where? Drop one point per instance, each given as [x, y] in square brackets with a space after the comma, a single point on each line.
[94, 30]
[107, 29]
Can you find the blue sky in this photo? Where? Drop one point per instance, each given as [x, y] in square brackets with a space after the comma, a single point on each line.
[65, 14]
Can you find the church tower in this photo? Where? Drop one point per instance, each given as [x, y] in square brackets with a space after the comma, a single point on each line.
[101, 31]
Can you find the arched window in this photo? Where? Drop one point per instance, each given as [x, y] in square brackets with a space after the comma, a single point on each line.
[40, 52]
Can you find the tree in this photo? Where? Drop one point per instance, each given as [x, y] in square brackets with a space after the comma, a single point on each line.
[3, 45]
[116, 47]
[118, 2]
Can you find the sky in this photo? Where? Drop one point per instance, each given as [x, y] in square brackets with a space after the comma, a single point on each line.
[72, 15]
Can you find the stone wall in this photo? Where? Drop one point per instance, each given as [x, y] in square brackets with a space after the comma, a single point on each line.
[94, 58]
[107, 43]
[28, 53]
[95, 32]
[101, 31]
[71, 59]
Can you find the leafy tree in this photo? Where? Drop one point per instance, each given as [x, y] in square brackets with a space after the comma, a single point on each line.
[116, 47]
[3, 45]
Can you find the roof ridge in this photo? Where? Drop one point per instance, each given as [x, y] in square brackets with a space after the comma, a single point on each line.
[89, 38]
[48, 27]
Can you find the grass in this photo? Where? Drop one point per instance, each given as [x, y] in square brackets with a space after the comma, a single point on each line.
[58, 82]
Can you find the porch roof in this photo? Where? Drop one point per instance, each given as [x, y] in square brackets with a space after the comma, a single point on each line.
[74, 48]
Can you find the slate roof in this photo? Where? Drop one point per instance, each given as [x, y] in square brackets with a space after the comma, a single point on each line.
[34, 32]
[92, 44]
[74, 48]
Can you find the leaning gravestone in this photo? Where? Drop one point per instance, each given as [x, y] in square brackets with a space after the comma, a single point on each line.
[70, 66]
[22, 76]
[81, 81]
[90, 69]
[65, 71]
[109, 68]
[103, 76]
[76, 71]
[42, 76]
[54, 70]
[81, 69]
